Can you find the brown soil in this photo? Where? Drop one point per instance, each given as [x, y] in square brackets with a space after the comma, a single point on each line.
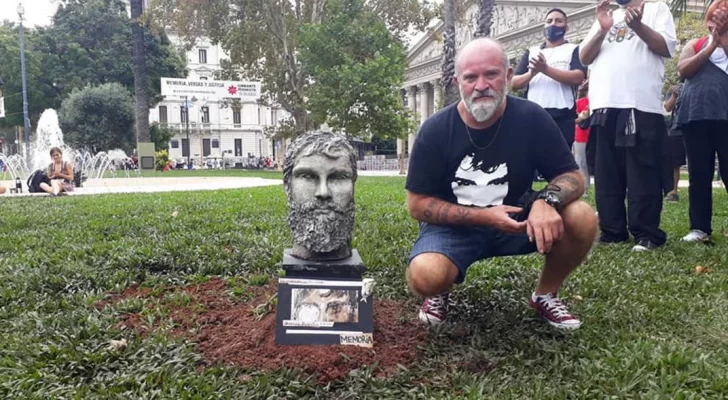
[229, 332]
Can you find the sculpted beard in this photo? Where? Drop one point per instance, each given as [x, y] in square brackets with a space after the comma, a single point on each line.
[483, 110]
[321, 227]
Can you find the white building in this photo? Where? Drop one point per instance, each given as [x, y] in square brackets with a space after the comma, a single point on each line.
[216, 128]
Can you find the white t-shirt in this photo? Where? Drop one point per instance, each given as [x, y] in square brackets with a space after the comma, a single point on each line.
[626, 73]
[544, 90]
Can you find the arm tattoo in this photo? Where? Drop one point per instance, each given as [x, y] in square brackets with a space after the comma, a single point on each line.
[441, 212]
[568, 187]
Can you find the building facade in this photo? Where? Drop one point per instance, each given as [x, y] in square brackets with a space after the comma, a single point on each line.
[518, 24]
[219, 128]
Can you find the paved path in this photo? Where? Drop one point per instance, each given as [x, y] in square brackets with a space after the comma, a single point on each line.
[152, 185]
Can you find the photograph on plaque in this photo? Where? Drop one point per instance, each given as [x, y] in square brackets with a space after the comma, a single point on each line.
[324, 305]
[317, 311]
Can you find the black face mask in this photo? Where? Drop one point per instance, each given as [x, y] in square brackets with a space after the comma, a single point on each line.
[554, 33]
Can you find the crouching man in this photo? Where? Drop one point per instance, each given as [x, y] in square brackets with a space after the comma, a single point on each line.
[469, 186]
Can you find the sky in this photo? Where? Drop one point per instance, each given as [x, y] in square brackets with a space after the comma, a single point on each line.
[37, 12]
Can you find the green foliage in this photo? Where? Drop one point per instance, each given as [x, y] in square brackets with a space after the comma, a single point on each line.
[89, 43]
[161, 159]
[99, 118]
[263, 43]
[42, 93]
[357, 67]
[653, 329]
[160, 135]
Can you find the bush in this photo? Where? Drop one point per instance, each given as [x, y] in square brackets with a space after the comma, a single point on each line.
[162, 159]
[99, 118]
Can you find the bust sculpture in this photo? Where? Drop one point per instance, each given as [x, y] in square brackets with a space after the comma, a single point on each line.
[318, 177]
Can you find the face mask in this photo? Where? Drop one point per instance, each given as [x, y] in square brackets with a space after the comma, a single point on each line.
[623, 2]
[554, 33]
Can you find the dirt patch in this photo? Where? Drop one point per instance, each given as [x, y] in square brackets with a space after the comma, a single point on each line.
[242, 332]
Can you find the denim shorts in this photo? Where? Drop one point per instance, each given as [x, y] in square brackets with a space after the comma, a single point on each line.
[466, 245]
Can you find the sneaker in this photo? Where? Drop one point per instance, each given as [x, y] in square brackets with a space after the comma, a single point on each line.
[696, 235]
[644, 245]
[434, 309]
[550, 308]
[672, 197]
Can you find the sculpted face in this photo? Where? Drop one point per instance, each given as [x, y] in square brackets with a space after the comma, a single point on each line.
[321, 179]
[320, 188]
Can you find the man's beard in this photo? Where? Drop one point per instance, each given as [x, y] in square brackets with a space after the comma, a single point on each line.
[321, 227]
[483, 110]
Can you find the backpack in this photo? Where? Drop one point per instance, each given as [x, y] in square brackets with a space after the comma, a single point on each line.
[35, 179]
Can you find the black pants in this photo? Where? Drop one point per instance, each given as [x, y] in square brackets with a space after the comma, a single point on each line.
[634, 172]
[703, 139]
[567, 125]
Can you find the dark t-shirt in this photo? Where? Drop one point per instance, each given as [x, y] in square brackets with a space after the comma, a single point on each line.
[445, 163]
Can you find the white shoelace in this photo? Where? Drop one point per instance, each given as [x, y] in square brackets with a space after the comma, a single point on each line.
[555, 306]
[437, 303]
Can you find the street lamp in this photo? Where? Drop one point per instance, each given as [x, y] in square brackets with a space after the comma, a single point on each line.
[26, 120]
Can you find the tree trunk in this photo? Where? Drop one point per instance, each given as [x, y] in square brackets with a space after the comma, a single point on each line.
[140, 72]
[450, 92]
[485, 18]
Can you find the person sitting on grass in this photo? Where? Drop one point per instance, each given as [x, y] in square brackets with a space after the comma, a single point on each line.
[471, 164]
[60, 174]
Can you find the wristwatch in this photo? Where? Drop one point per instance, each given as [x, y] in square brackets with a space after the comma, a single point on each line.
[550, 198]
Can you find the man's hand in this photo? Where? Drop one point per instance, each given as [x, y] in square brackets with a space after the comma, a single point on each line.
[538, 64]
[633, 16]
[499, 218]
[604, 16]
[544, 225]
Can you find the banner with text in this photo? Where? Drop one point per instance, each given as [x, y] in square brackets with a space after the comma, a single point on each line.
[245, 91]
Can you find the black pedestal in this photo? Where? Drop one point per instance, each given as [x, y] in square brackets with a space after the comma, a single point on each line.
[324, 303]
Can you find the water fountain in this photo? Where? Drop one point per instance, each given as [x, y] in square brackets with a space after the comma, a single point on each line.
[48, 135]
[99, 167]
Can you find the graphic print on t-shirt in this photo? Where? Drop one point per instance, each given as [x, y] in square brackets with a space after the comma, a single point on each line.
[619, 33]
[476, 184]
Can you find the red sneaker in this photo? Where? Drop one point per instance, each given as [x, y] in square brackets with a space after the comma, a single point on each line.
[434, 309]
[550, 308]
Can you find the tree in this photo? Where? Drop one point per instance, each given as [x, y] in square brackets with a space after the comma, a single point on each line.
[160, 135]
[140, 72]
[357, 67]
[41, 92]
[450, 93]
[262, 39]
[99, 118]
[485, 18]
[89, 43]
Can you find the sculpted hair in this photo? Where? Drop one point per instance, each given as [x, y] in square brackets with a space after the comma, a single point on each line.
[326, 143]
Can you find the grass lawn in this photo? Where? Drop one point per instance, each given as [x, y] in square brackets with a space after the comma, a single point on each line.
[653, 328]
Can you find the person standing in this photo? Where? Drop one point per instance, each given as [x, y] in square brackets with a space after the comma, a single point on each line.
[551, 72]
[674, 149]
[581, 135]
[703, 116]
[626, 50]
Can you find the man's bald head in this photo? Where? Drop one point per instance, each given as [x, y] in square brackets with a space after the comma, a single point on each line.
[477, 46]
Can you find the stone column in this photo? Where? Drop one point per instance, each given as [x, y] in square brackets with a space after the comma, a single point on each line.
[424, 101]
[436, 95]
[412, 103]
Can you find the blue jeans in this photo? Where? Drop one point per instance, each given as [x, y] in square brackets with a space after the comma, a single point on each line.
[466, 245]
